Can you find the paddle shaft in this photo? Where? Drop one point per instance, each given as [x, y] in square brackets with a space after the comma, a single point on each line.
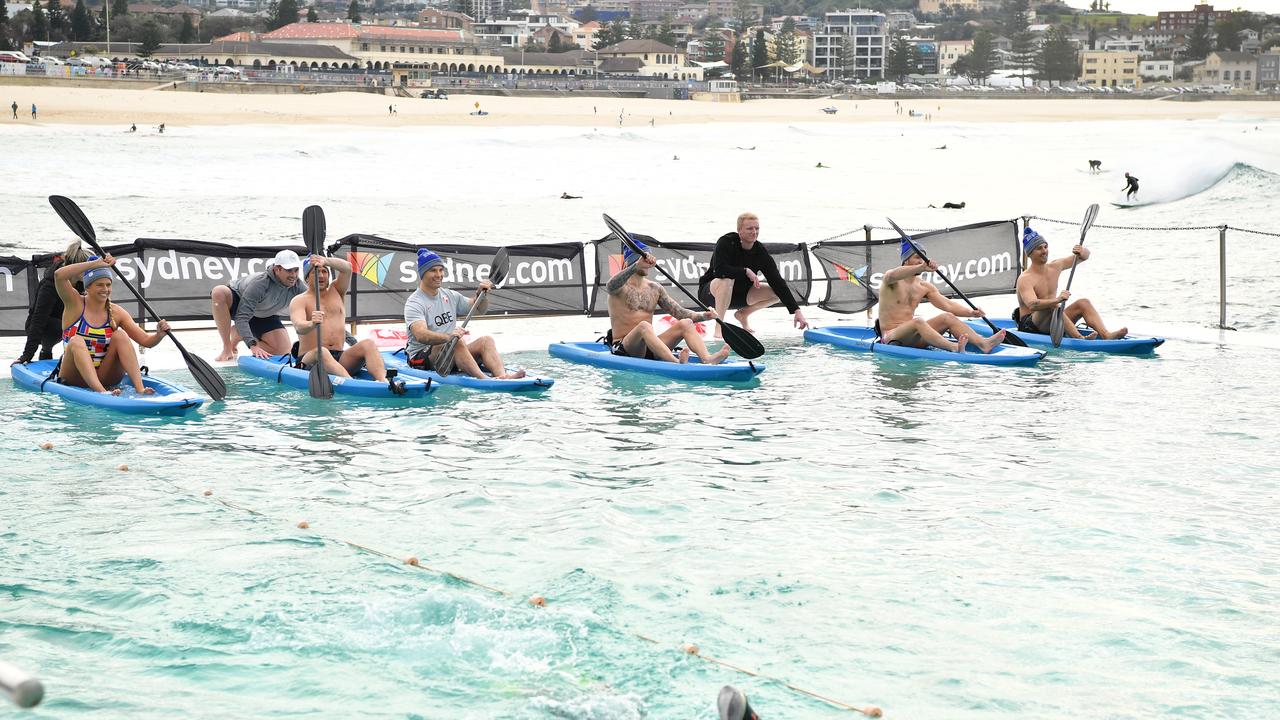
[446, 354]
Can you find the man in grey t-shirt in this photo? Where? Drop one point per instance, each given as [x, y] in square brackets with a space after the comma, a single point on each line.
[431, 316]
[250, 308]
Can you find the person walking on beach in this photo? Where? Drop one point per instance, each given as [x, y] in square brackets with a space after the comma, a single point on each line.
[431, 317]
[733, 278]
[902, 292]
[249, 308]
[15, 109]
[1130, 186]
[332, 316]
[33, 111]
[1038, 293]
[633, 299]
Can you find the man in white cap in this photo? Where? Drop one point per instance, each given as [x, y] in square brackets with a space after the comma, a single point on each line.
[733, 705]
[250, 308]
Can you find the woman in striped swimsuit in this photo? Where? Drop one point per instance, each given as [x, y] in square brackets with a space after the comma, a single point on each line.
[93, 356]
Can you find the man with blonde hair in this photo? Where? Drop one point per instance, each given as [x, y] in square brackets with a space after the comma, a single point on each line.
[739, 264]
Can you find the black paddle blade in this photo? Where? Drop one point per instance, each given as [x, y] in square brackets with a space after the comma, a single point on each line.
[741, 341]
[498, 267]
[446, 358]
[318, 382]
[623, 236]
[75, 219]
[1056, 326]
[313, 229]
[205, 375]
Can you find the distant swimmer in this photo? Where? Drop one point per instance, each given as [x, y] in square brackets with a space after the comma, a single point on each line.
[133, 127]
[753, 147]
[567, 196]
[1095, 166]
[820, 165]
[953, 206]
[944, 147]
[1131, 186]
[161, 128]
[1037, 293]
[675, 157]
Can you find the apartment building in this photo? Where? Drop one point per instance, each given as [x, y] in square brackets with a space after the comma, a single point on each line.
[863, 31]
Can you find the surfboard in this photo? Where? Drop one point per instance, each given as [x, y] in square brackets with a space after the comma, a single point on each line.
[1129, 205]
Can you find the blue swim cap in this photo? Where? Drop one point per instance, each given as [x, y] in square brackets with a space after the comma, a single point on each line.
[94, 273]
[1031, 240]
[628, 255]
[906, 251]
[427, 260]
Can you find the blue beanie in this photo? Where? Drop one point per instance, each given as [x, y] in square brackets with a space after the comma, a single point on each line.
[1031, 240]
[427, 260]
[628, 255]
[906, 250]
[94, 273]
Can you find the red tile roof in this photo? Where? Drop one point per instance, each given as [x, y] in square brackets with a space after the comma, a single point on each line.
[347, 31]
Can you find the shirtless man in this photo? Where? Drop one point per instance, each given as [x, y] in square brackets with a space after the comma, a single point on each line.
[333, 315]
[902, 291]
[1036, 298]
[633, 299]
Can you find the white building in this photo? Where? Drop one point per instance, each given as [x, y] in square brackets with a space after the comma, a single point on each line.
[864, 30]
[1156, 69]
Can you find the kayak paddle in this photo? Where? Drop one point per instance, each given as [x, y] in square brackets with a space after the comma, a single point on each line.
[1009, 337]
[313, 228]
[739, 340]
[1056, 323]
[497, 273]
[203, 372]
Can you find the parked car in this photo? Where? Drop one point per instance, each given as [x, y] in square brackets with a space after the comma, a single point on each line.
[13, 56]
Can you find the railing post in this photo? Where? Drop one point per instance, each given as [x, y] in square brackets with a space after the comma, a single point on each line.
[866, 230]
[1222, 279]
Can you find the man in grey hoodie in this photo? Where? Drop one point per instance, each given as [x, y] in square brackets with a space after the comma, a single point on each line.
[250, 308]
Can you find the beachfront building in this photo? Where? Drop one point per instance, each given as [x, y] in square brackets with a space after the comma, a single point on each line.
[575, 63]
[1156, 69]
[1184, 21]
[949, 51]
[378, 47]
[647, 58]
[585, 35]
[1101, 68]
[437, 19]
[927, 53]
[1237, 69]
[1269, 71]
[863, 31]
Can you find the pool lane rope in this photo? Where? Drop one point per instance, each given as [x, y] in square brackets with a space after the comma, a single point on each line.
[535, 600]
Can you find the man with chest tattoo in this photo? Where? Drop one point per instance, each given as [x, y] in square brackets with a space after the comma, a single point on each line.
[633, 298]
[902, 291]
[1038, 293]
[332, 315]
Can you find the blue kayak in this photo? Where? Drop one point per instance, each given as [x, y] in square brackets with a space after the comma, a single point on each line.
[864, 339]
[278, 368]
[597, 353]
[169, 399]
[396, 359]
[1127, 345]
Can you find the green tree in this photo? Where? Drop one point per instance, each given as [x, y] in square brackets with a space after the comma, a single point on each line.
[286, 13]
[1058, 60]
[712, 45]
[587, 14]
[151, 37]
[188, 32]
[902, 59]
[982, 59]
[1199, 43]
[1229, 33]
[787, 46]
[759, 53]
[311, 14]
[353, 11]
[4, 26]
[739, 57]
[81, 26]
[743, 15]
[119, 8]
[665, 34]
[39, 24]
[554, 45]
[1014, 21]
[848, 57]
[57, 21]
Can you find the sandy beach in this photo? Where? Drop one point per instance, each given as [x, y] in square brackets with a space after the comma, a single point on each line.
[91, 106]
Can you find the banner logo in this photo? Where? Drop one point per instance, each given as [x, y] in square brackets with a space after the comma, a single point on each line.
[371, 267]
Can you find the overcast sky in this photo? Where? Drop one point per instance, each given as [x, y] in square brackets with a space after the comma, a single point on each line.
[1151, 7]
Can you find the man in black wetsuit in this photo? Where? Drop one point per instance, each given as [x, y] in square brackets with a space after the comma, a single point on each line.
[733, 281]
[1131, 186]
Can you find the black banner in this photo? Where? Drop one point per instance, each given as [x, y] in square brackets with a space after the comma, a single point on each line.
[687, 261]
[981, 259]
[17, 291]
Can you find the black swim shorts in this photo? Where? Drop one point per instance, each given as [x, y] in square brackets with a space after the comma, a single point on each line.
[259, 325]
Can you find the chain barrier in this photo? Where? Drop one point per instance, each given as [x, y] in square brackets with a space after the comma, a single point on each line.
[1171, 228]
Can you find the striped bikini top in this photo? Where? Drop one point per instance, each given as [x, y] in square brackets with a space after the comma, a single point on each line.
[98, 338]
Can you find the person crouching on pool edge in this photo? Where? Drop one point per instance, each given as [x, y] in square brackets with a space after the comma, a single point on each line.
[901, 293]
[633, 298]
[93, 355]
[733, 278]
[333, 316]
[431, 316]
[250, 307]
[1038, 284]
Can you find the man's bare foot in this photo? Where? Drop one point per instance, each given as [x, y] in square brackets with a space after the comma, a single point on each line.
[990, 343]
[514, 375]
[683, 357]
[720, 356]
[226, 355]
[961, 343]
[742, 320]
[1117, 334]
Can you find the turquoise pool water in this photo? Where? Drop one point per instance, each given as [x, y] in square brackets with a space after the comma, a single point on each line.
[1092, 535]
